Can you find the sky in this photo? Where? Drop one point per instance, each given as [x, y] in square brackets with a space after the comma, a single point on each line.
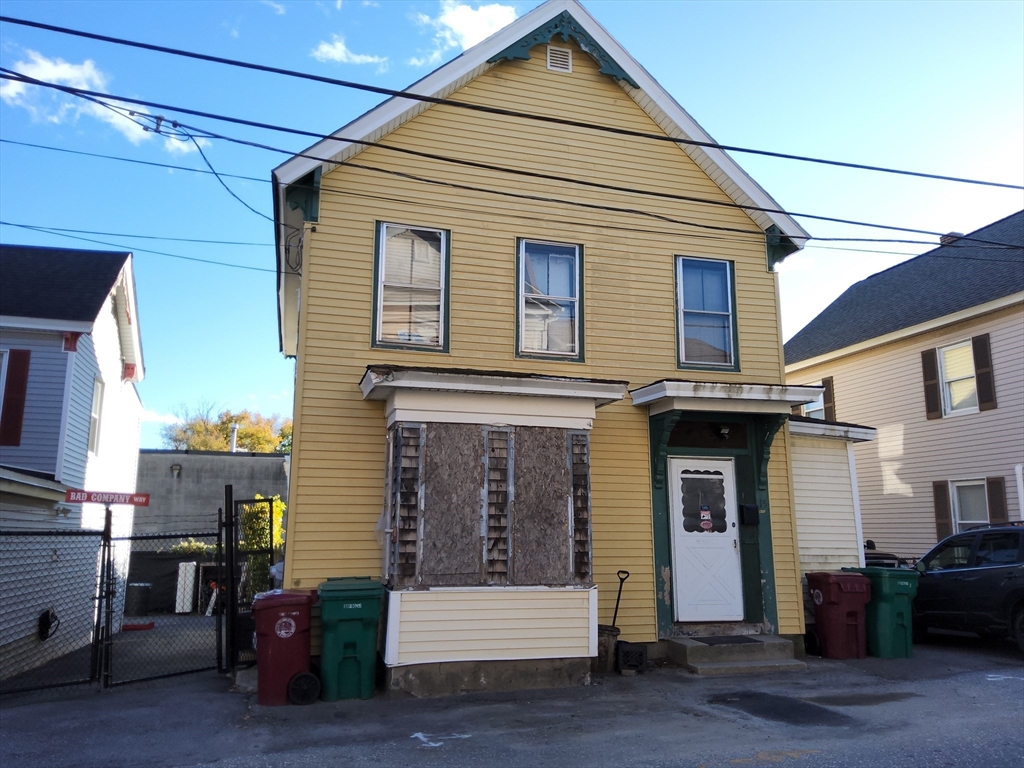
[936, 87]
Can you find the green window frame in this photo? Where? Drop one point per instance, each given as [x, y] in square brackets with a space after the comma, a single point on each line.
[401, 289]
[549, 304]
[706, 333]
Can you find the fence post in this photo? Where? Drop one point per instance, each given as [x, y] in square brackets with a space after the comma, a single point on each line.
[229, 561]
[108, 594]
[218, 592]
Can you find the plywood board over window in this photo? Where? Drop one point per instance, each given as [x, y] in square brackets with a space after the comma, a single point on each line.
[540, 525]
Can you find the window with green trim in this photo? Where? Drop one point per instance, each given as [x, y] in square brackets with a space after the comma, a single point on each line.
[549, 299]
[411, 295]
[705, 312]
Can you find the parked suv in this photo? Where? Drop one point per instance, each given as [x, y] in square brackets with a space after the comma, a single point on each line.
[974, 581]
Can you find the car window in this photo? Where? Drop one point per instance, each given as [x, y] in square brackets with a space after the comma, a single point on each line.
[951, 554]
[998, 549]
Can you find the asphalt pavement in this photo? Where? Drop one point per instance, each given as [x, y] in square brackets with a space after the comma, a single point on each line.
[958, 702]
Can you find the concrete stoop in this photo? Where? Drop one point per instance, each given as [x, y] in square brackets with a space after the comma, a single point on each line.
[749, 655]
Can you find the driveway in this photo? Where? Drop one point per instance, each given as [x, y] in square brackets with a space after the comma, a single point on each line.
[958, 702]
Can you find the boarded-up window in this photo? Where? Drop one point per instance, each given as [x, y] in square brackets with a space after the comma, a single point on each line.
[540, 519]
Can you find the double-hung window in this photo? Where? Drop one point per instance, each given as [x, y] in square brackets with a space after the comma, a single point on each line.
[550, 301]
[411, 301]
[705, 312]
[956, 367]
[970, 505]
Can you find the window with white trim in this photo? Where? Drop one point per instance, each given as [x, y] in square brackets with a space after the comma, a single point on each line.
[705, 312]
[411, 290]
[816, 410]
[970, 504]
[549, 299]
[95, 413]
[956, 372]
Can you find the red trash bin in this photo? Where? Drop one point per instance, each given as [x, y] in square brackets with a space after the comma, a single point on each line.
[282, 647]
[839, 601]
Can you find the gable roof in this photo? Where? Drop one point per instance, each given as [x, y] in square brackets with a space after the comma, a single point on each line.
[64, 289]
[57, 283]
[569, 19]
[949, 279]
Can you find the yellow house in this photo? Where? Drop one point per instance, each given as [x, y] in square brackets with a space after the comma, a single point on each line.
[537, 337]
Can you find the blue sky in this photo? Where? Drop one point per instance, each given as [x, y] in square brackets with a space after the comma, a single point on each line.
[935, 87]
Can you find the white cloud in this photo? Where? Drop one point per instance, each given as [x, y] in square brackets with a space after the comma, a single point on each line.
[277, 7]
[338, 51]
[337, 5]
[460, 25]
[55, 107]
[154, 417]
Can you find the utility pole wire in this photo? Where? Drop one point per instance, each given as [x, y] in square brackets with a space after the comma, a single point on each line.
[491, 110]
[91, 95]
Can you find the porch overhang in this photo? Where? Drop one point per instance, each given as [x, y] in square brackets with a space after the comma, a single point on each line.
[487, 397]
[832, 430]
[679, 395]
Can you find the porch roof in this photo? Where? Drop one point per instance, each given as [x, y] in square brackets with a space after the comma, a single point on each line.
[683, 395]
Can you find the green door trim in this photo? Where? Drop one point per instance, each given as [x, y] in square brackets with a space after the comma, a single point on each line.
[751, 463]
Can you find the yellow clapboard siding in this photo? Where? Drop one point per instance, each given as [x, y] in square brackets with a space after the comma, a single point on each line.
[628, 308]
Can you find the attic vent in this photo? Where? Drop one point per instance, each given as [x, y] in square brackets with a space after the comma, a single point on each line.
[559, 59]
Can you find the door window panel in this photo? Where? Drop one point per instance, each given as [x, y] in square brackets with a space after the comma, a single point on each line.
[953, 554]
[998, 549]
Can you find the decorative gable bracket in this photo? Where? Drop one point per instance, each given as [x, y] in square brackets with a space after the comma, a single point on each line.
[778, 246]
[565, 25]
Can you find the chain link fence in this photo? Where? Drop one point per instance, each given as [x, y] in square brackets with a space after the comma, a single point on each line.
[49, 590]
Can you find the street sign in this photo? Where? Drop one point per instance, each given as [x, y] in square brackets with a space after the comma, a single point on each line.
[101, 497]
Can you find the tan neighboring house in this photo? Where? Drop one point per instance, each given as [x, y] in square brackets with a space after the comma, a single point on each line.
[511, 383]
[931, 353]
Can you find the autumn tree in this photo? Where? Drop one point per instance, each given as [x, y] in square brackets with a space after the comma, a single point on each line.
[199, 429]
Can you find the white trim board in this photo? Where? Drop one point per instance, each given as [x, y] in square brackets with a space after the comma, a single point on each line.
[711, 396]
[832, 431]
[914, 330]
[45, 324]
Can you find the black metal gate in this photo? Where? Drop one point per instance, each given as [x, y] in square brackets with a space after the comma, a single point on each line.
[250, 556]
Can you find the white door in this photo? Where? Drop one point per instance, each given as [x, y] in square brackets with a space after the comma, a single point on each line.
[707, 578]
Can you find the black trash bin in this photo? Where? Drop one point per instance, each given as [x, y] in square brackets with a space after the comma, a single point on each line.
[136, 599]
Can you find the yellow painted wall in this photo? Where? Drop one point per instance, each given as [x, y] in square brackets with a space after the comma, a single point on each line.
[338, 462]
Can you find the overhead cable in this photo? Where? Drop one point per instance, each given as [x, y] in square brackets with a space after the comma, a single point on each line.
[488, 109]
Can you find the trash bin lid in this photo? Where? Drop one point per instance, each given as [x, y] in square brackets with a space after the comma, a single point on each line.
[847, 582]
[276, 598]
[350, 586]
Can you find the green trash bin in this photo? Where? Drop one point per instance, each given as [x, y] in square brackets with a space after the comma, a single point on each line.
[889, 617]
[349, 613]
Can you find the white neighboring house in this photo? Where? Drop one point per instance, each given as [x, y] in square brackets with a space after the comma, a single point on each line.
[70, 356]
[930, 353]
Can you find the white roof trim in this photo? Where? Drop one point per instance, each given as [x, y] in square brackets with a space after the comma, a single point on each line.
[708, 396]
[913, 330]
[668, 114]
[128, 330]
[45, 324]
[378, 386]
[829, 430]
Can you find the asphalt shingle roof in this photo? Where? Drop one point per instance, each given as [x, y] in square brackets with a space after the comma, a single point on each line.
[56, 283]
[948, 279]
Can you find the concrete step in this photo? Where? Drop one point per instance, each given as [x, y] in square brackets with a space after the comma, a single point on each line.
[686, 651]
[724, 668]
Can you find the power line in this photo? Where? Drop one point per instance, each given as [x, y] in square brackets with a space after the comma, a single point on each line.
[49, 231]
[491, 110]
[10, 75]
[143, 237]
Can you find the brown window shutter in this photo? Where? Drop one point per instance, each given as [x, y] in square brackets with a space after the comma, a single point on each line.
[984, 379]
[15, 389]
[830, 399]
[797, 410]
[943, 516]
[932, 394]
[996, 488]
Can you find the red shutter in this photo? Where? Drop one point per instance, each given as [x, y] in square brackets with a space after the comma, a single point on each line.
[996, 501]
[15, 389]
[943, 517]
[984, 379]
[932, 393]
[829, 399]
